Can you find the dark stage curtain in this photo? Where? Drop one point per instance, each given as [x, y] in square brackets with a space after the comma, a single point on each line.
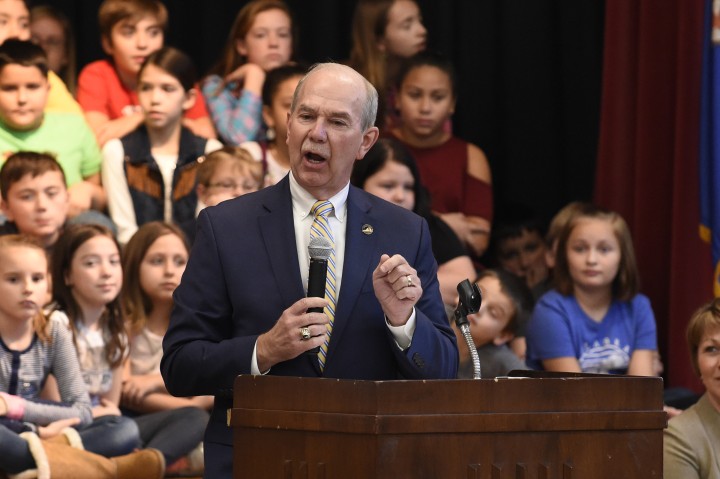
[647, 161]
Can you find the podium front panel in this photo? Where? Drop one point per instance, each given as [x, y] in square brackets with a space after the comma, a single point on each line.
[546, 428]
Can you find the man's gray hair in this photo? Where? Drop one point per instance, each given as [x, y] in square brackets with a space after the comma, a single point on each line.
[370, 107]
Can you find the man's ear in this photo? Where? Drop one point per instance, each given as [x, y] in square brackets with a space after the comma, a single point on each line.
[369, 138]
[503, 338]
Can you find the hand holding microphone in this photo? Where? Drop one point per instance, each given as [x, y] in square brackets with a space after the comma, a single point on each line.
[302, 327]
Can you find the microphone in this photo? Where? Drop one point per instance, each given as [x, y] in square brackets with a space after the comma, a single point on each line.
[320, 250]
[469, 302]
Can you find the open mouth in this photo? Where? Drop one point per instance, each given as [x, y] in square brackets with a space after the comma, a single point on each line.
[314, 157]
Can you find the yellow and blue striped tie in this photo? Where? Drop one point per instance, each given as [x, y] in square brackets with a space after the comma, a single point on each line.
[321, 227]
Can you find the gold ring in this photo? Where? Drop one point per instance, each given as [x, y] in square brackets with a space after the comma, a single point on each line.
[305, 333]
[409, 281]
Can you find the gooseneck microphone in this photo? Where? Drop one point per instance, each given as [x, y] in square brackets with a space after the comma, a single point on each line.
[320, 250]
[468, 302]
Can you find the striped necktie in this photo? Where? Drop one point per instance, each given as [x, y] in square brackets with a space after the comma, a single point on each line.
[321, 227]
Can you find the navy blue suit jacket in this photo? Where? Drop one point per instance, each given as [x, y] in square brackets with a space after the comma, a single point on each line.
[243, 273]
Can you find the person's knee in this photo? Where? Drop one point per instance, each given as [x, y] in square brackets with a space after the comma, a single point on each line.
[195, 416]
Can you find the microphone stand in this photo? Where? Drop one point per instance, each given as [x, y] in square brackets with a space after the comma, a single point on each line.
[468, 303]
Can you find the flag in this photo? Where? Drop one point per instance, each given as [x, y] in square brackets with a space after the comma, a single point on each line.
[709, 162]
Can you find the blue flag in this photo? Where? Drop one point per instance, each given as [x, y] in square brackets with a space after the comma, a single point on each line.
[709, 164]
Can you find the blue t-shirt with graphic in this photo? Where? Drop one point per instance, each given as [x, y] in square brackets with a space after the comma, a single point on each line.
[560, 328]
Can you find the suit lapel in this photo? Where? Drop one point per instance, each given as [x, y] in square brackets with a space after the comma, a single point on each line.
[359, 263]
[278, 234]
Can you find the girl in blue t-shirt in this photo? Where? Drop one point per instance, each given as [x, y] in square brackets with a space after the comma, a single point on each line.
[595, 320]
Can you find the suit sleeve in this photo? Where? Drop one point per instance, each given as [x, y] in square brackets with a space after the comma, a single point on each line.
[201, 355]
[433, 352]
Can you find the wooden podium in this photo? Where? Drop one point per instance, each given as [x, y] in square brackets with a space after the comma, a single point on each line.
[579, 426]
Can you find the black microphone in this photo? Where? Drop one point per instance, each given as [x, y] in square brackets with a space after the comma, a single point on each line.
[320, 250]
[469, 301]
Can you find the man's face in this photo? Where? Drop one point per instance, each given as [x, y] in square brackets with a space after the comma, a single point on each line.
[38, 205]
[14, 20]
[130, 43]
[325, 135]
[23, 95]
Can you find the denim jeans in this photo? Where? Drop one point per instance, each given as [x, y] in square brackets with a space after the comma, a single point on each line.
[111, 436]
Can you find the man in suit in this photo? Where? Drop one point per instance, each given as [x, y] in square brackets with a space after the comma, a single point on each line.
[241, 305]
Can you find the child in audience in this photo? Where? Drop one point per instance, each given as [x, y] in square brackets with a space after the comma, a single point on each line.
[130, 31]
[16, 25]
[505, 309]
[87, 301]
[25, 125]
[389, 171]
[222, 175]
[277, 95]
[227, 173]
[558, 223]
[594, 320]
[33, 348]
[88, 277]
[154, 260]
[51, 29]
[384, 32]
[455, 172]
[260, 39]
[34, 197]
[518, 246]
[150, 173]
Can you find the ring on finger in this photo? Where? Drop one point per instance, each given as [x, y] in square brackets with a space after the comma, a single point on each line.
[409, 280]
[305, 333]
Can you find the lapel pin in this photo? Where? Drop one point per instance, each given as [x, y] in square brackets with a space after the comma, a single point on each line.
[367, 229]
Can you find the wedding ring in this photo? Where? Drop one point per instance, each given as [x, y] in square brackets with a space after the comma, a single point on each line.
[409, 281]
[305, 333]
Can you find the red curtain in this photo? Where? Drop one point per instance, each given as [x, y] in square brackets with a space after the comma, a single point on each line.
[647, 158]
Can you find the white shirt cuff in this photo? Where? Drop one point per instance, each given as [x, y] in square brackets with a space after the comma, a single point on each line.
[403, 334]
[254, 369]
